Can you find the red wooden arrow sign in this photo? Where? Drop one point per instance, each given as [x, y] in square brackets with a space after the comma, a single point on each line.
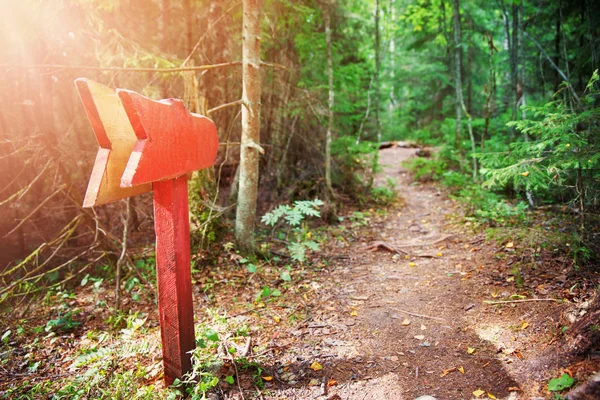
[171, 141]
[116, 139]
[168, 142]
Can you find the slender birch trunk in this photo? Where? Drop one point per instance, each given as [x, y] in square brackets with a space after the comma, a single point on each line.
[457, 72]
[249, 149]
[331, 100]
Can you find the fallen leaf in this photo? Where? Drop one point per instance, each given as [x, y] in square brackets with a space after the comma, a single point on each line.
[412, 264]
[438, 254]
[423, 327]
[315, 366]
[267, 378]
[461, 369]
[491, 396]
[525, 174]
[354, 313]
[509, 245]
[447, 371]
[276, 318]
[514, 389]
[478, 393]
[470, 350]
[332, 382]
[524, 324]
[406, 322]
[420, 337]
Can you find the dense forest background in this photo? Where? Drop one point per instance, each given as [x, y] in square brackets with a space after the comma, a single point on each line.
[506, 90]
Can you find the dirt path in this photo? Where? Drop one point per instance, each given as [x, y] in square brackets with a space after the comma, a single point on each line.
[367, 342]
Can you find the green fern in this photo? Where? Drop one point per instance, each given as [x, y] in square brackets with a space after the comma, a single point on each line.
[293, 217]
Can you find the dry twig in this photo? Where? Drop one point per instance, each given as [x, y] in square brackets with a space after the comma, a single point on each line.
[520, 301]
[417, 315]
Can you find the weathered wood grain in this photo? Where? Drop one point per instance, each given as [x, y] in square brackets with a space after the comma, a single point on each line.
[173, 273]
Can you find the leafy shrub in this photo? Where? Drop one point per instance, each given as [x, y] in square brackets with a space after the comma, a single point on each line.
[296, 233]
[354, 163]
[561, 160]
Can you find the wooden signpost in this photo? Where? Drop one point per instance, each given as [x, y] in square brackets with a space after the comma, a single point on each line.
[153, 145]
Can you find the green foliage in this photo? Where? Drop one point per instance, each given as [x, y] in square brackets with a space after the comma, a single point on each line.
[559, 384]
[205, 224]
[64, 322]
[295, 232]
[384, 195]
[354, 163]
[562, 158]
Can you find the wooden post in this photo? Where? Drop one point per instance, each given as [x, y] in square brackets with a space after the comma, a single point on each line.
[175, 307]
[147, 144]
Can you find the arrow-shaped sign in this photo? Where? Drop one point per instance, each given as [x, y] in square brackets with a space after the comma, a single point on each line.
[171, 141]
[147, 144]
[116, 139]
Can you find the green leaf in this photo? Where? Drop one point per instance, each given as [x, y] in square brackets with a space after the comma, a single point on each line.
[312, 245]
[5, 336]
[285, 275]
[562, 383]
[211, 335]
[297, 251]
[251, 268]
[229, 379]
[266, 292]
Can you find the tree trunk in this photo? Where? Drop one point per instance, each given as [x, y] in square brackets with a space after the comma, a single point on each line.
[249, 149]
[514, 74]
[331, 99]
[557, 53]
[189, 16]
[377, 68]
[392, 103]
[457, 72]
[469, 71]
[521, 66]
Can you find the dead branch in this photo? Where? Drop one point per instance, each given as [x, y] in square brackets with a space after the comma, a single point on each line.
[135, 69]
[417, 315]
[383, 245]
[67, 231]
[562, 74]
[443, 238]
[19, 195]
[121, 69]
[520, 301]
[61, 187]
[222, 106]
[125, 220]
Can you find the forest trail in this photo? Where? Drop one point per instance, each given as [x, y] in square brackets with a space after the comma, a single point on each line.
[396, 326]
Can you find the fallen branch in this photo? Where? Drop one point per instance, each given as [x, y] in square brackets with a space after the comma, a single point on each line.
[379, 244]
[520, 301]
[443, 238]
[417, 315]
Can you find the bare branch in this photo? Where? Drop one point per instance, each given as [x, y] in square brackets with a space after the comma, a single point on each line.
[553, 65]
